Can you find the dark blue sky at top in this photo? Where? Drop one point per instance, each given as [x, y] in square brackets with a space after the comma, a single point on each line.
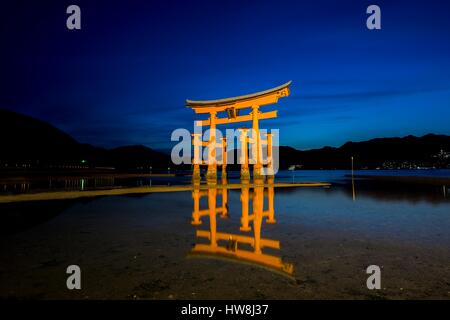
[124, 77]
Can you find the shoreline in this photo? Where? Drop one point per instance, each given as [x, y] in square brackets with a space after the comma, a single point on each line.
[61, 195]
[80, 175]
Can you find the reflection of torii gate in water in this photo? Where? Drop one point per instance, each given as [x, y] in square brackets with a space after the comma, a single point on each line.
[233, 107]
[229, 245]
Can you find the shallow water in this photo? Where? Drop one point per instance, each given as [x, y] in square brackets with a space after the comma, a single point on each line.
[139, 247]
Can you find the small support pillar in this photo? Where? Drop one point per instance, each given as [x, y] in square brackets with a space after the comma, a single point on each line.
[270, 171]
[245, 173]
[256, 150]
[224, 160]
[196, 142]
[211, 174]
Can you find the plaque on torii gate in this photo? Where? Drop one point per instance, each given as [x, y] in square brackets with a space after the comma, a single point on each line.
[232, 107]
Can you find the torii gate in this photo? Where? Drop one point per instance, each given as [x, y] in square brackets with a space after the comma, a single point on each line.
[233, 106]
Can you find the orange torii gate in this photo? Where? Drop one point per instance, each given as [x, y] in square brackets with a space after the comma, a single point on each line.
[232, 107]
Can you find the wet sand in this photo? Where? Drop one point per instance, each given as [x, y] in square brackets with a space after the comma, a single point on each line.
[60, 195]
[127, 251]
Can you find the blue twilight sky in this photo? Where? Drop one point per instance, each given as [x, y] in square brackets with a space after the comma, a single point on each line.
[123, 78]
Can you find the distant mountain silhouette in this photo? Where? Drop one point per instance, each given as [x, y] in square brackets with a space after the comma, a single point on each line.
[429, 150]
[24, 139]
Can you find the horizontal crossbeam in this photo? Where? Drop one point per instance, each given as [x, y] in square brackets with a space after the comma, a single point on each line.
[248, 117]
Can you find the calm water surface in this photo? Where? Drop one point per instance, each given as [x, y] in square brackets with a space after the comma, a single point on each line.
[139, 247]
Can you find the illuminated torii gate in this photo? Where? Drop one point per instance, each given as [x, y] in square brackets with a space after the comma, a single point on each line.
[233, 107]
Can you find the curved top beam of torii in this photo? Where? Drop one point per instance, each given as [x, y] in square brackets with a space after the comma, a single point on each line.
[261, 98]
